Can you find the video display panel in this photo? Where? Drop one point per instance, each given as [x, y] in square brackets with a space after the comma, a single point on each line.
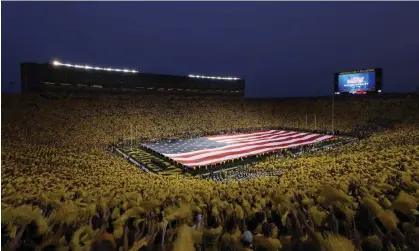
[358, 82]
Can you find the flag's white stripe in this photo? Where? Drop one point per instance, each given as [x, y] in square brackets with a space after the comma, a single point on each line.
[235, 156]
[250, 139]
[233, 146]
[240, 135]
[245, 148]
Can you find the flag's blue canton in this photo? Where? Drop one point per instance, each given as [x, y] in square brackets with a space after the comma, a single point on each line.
[184, 146]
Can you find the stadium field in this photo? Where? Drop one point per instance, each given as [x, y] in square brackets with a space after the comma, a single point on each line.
[218, 149]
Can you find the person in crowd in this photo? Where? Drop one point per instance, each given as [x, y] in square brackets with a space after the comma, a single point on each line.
[230, 240]
[247, 241]
[267, 241]
[212, 233]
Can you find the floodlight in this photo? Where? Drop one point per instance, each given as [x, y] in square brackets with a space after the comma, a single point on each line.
[88, 67]
[213, 77]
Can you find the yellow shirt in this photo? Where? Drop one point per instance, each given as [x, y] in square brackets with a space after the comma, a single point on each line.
[197, 236]
[232, 240]
[286, 242]
[271, 244]
[259, 229]
[210, 238]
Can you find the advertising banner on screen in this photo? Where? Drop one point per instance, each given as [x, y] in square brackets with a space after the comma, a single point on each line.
[357, 82]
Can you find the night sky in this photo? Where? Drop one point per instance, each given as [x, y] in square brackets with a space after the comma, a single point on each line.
[281, 49]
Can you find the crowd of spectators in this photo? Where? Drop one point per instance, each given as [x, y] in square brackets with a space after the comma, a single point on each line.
[63, 190]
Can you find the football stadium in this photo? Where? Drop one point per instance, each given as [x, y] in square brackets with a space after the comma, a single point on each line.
[159, 162]
[209, 126]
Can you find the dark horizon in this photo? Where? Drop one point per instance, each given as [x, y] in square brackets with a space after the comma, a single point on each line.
[281, 49]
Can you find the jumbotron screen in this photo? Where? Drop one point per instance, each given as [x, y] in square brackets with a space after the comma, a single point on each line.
[359, 82]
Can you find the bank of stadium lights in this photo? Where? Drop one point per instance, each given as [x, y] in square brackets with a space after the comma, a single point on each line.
[88, 67]
[213, 77]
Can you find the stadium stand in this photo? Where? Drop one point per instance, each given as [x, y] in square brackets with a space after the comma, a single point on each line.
[64, 189]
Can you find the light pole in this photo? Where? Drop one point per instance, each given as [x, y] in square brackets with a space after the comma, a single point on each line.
[131, 135]
[333, 115]
[136, 136]
[306, 121]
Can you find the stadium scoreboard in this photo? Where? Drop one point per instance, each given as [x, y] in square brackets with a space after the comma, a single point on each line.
[358, 82]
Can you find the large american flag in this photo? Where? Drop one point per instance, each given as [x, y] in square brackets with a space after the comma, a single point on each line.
[219, 148]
